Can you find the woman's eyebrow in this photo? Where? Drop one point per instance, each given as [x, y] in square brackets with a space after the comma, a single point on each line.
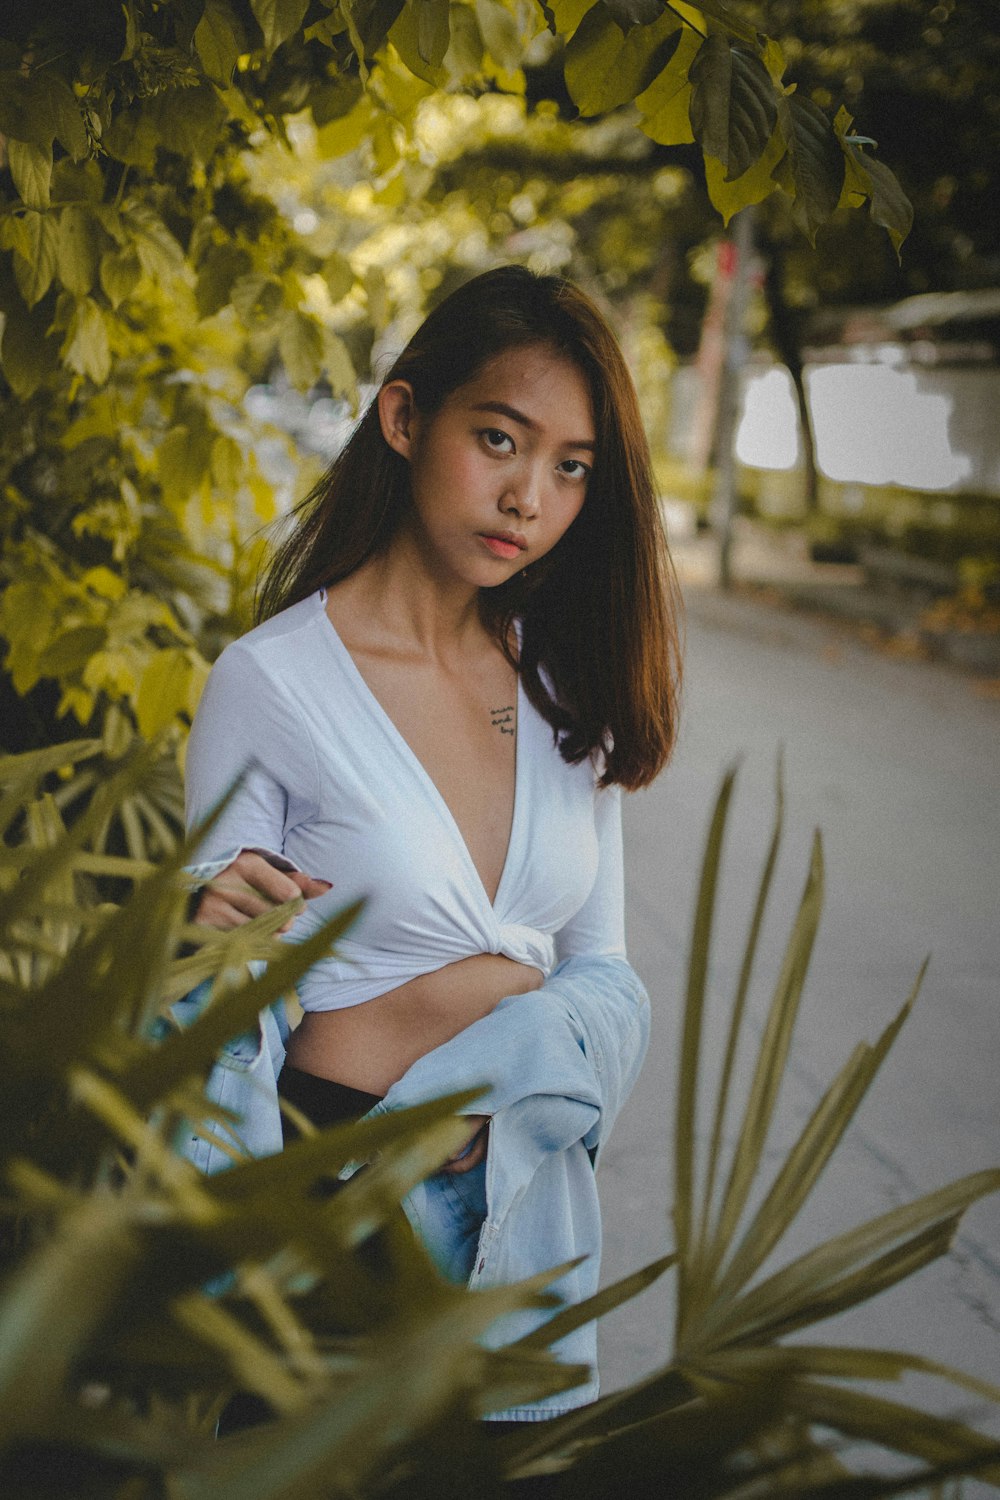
[503, 410]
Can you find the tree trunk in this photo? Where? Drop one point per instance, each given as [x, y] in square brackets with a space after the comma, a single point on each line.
[786, 335]
[736, 351]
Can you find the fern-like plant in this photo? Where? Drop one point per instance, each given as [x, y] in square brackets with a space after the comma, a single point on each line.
[137, 1296]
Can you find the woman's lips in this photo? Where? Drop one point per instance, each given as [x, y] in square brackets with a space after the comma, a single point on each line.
[500, 548]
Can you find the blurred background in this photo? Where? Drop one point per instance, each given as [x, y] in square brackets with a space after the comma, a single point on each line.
[202, 298]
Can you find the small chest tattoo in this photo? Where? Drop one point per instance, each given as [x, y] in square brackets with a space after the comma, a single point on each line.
[503, 718]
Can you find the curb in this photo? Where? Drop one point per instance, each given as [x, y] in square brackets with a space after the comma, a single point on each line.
[897, 618]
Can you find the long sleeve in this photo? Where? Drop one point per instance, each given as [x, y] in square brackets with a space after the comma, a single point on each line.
[598, 928]
[245, 727]
[244, 732]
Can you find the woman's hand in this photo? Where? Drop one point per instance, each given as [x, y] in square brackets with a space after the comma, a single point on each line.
[251, 886]
[474, 1150]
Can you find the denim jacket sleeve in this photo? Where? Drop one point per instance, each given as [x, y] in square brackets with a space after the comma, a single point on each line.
[244, 1078]
[243, 1081]
[581, 1037]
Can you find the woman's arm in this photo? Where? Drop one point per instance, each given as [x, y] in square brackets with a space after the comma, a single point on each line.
[599, 926]
[246, 742]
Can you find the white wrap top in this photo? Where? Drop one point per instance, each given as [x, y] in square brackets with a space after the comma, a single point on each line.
[330, 786]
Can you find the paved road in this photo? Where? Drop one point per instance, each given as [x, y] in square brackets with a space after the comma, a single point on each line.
[897, 761]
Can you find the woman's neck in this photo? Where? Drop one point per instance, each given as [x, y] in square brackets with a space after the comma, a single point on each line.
[407, 607]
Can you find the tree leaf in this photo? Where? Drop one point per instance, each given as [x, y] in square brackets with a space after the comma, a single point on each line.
[132, 137]
[77, 249]
[256, 298]
[606, 67]
[814, 166]
[433, 30]
[371, 22]
[72, 649]
[867, 178]
[337, 366]
[31, 168]
[356, 39]
[631, 13]
[326, 31]
[14, 234]
[278, 19]
[844, 1362]
[62, 112]
[159, 253]
[35, 257]
[300, 344]
[500, 33]
[28, 354]
[120, 272]
[715, 15]
[86, 349]
[180, 463]
[70, 128]
[36, 107]
[221, 266]
[164, 691]
[404, 34]
[219, 40]
[188, 121]
[337, 96]
[733, 104]
[890, 207]
[756, 183]
[774, 60]
[563, 16]
[226, 464]
[23, 116]
[345, 132]
[666, 104]
[463, 62]
[338, 274]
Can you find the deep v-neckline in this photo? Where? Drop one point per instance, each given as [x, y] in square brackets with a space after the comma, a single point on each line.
[421, 771]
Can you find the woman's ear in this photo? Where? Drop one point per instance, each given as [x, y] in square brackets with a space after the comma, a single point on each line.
[397, 413]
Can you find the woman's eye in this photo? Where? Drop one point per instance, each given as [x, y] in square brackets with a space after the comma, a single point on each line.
[497, 440]
[574, 468]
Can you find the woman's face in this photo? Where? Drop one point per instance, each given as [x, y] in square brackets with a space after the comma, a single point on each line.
[499, 473]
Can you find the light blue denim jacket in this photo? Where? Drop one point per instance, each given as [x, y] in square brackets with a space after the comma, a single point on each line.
[559, 1064]
[555, 1066]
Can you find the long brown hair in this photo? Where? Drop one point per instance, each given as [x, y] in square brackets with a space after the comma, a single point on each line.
[599, 655]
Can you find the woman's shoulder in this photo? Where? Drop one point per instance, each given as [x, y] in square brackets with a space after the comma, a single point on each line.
[283, 646]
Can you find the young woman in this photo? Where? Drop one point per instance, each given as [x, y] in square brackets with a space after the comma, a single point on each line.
[468, 647]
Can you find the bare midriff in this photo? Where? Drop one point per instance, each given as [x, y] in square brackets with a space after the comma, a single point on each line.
[370, 1046]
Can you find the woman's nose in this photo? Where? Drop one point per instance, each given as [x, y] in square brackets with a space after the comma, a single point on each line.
[522, 496]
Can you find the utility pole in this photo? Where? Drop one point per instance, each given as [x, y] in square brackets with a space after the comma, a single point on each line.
[736, 256]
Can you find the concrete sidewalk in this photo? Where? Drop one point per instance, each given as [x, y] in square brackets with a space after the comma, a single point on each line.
[887, 614]
[895, 757]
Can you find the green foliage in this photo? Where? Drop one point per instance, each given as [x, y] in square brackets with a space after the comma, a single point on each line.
[136, 1295]
[148, 276]
[108, 1340]
[699, 73]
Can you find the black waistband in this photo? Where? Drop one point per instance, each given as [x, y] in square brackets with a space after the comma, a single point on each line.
[321, 1100]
